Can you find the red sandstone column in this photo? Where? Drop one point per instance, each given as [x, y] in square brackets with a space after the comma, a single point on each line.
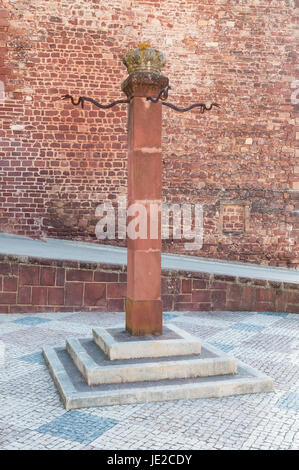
[143, 303]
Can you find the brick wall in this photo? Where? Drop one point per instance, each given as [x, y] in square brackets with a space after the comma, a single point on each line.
[35, 285]
[57, 162]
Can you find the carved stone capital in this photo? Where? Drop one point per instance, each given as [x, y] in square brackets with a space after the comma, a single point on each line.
[144, 84]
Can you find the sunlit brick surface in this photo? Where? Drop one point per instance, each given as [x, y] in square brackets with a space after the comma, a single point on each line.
[58, 162]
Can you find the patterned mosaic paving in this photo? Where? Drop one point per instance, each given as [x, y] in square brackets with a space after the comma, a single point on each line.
[33, 417]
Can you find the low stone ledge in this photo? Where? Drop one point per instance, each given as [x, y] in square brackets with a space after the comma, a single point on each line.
[29, 285]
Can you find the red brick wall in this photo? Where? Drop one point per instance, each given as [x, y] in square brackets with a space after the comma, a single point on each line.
[34, 285]
[57, 162]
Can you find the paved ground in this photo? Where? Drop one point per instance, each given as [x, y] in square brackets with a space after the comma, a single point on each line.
[92, 252]
[32, 415]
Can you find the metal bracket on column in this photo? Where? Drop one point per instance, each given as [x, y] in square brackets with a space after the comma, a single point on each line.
[163, 95]
[84, 98]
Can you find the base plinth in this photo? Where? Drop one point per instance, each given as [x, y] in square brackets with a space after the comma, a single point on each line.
[119, 344]
[172, 366]
[144, 317]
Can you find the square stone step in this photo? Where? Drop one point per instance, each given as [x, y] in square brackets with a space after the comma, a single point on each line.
[117, 343]
[97, 369]
[75, 393]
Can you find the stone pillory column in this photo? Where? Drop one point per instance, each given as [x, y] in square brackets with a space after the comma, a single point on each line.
[143, 302]
[180, 371]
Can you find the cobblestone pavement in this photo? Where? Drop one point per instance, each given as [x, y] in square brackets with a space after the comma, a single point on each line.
[33, 417]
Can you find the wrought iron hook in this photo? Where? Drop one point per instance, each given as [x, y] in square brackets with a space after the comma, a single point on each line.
[163, 95]
[203, 107]
[82, 99]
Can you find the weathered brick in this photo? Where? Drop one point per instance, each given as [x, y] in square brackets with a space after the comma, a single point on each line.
[78, 275]
[116, 305]
[201, 296]
[122, 277]
[265, 295]
[168, 302]
[263, 307]
[60, 277]
[202, 306]
[170, 285]
[233, 305]
[4, 309]
[95, 293]
[116, 290]
[183, 306]
[222, 277]
[8, 298]
[105, 277]
[47, 276]
[74, 293]
[292, 308]
[199, 284]
[281, 300]
[293, 297]
[218, 299]
[187, 285]
[39, 296]
[234, 292]
[24, 295]
[29, 275]
[5, 268]
[248, 298]
[10, 284]
[56, 296]
[183, 298]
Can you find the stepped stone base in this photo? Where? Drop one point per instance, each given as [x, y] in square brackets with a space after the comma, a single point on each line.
[181, 368]
[119, 344]
[97, 369]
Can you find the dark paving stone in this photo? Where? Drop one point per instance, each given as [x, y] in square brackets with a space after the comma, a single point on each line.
[77, 426]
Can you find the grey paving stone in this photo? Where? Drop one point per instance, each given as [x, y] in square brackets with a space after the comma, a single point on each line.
[29, 400]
